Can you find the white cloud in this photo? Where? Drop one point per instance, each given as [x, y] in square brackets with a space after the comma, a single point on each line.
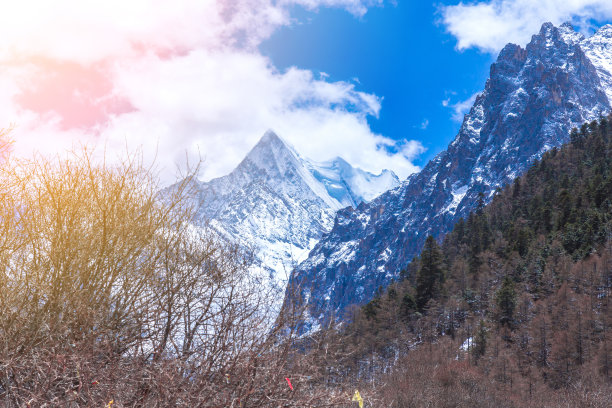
[489, 25]
[460, 108]
[88, 31]
[424, 125]
[178, 81]
[356, 7]
[206, 112]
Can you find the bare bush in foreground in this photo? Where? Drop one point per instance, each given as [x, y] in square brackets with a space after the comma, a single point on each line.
[108, 294]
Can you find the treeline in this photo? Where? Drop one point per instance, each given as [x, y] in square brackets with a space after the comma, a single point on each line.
[513, 307]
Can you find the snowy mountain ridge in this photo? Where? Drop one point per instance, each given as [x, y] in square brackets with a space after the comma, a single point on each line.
[281, 204]
[532, 99]
[598, 48]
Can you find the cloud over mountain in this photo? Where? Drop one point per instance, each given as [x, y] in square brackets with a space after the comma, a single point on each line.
[489, 25]
[180, 80]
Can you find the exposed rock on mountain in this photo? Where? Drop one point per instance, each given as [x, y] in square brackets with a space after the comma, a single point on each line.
[280, 204]
[533, 98]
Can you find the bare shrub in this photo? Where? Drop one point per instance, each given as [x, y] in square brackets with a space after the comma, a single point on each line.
[108, 293]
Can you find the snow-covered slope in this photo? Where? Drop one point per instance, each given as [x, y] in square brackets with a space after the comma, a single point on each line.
[349, 185]
[280, 204]
[598, 48]
[532, 99]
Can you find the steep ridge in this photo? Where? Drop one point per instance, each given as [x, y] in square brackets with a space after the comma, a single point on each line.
[534, 96]
[281, 204]
[598, 48]
[525, 282]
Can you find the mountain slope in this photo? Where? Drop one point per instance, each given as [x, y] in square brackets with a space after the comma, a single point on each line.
[524, 293]
[534, 96]
[281, 204]
[598, 48]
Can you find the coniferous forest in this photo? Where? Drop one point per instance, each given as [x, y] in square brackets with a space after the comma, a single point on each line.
[512, 308]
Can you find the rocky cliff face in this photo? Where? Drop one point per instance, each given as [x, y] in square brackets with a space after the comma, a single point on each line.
[280, 204]
[533, 98]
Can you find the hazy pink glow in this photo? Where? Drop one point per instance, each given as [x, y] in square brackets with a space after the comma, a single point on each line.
[176, 79]
[82, 97]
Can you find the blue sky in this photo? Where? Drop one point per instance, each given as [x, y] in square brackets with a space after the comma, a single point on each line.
[205, 79]
[405, 54]
[401, 53]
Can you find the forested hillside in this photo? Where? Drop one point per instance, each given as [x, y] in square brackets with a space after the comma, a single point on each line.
[513, 307]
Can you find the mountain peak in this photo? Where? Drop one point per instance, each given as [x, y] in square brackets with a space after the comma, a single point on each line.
[271, 141]
[547, 29]
[554, 42]
[511, 52]
[549, 36]
[569, 34]
[280, 204]
[270, 137]
[568, 25]
[269, 150]
[604, 31]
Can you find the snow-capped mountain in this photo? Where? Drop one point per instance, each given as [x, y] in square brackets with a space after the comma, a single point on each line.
[280, 204]
[532, 99]
[598, 48]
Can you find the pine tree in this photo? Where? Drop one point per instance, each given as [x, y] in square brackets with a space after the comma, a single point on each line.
[407, 306]
[431, 273]
[480, 341]
[480, 203]
[506, 301]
